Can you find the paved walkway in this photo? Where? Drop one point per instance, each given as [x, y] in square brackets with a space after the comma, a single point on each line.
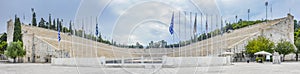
[237, 68]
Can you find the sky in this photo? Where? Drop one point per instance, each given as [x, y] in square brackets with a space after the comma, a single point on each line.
[131, 21]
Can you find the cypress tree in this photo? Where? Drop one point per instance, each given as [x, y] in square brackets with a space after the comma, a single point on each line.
[17, 36]
[50, 23]
[33, 18]
[70, 27]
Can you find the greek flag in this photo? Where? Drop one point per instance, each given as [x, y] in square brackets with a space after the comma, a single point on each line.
[58, 33]
[172, 25]
[97, 32]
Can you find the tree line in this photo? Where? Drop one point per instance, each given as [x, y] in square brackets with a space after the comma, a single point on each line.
[54, 24]
[227, 28]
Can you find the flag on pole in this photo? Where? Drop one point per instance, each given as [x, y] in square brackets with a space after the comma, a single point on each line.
[97, 32]
[58, 33]
[206, 25]
[172, 25]
[195, 24]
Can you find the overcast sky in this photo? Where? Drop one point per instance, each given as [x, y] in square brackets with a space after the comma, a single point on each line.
[130, 21]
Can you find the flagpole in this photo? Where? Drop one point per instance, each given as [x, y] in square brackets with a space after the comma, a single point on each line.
[85, 37]
[219, 34]
[72, 34]
[195, 33]
[74, 57]
[224, 37]
[59, 49]
[220, 39]
[200, 35]
[173, 35]
[206, 36]
[185, 33]
[62, 45]
[179, 52]
[82, 35]
[59, 42]
[58, 28]
[222, 32]
[217, 19]
[190, 45]
[96, 46]
[226, 40]
[96, 38]
[173, 45]
[171, 30]
[90, 38]
[91, 35]
[215, 34]
[211, 30]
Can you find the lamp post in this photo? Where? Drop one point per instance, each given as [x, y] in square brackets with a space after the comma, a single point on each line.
[248, 17]
[236, 18]
[266, 4]
[248, 13]
[271, 12]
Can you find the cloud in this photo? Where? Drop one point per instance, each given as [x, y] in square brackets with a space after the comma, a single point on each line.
[88, 11]
[161, 11]
[137, 15]
[149, 31]
[131, 21]
[230, 8]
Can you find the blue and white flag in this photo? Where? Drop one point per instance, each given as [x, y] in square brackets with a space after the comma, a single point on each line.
[172, 25]
[97, 32]
[58, 33]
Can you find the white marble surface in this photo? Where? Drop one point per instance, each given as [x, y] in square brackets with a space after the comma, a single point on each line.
[237, 68]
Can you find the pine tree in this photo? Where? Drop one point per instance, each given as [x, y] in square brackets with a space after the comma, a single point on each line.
[33, 18]
[57, 24]
[17, 36]
[47, 25]
[42, 23]
[70, 27]
[50, 23]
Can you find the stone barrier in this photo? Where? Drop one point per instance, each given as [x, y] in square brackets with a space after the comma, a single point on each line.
[90, 62]
[166, 62]
[194, 61]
